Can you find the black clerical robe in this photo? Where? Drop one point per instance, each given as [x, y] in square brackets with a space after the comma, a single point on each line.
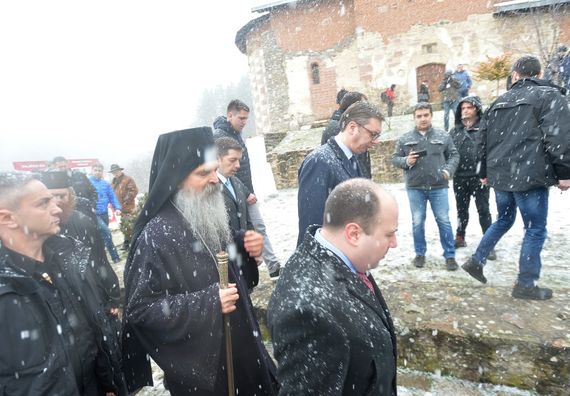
[173, 314]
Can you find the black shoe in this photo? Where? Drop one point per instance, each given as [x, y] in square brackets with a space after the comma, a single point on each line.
[274, 275]
[531, 293]
[475, 270]
[419, 261]
[460, 242]
[451, 264]
[492, 255]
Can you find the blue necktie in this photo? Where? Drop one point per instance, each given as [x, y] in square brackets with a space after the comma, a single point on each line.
[354, 165]
[231, 188]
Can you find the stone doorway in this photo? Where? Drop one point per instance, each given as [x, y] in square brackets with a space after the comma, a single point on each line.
[433, 74]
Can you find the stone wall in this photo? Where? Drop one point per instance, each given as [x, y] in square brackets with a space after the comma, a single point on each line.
[381, 158]
[272, 140]
[286, 158]
[269, 89]
[369, 45]
[478, 334]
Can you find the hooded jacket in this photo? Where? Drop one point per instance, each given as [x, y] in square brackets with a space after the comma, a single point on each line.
[525, 138]
[465, 139]
[222, 128]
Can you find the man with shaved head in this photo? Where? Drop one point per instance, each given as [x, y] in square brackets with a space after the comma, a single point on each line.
[331, 329]
[52, 338]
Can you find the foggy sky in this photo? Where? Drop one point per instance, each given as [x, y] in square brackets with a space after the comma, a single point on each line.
[103, 79]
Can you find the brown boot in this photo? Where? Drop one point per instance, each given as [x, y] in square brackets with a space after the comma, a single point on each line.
[460, 241]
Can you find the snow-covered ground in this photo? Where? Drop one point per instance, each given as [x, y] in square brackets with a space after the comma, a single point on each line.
[279, 211]
[280, 215]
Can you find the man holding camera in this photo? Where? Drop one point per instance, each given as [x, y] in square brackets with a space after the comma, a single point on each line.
[429, 159]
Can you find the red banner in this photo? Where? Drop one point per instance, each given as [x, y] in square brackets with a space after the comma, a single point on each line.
[40, 166]
[31, 166]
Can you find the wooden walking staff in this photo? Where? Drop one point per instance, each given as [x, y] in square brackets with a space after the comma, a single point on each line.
[222, 259]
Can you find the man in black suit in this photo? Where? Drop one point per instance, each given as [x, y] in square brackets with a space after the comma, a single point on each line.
[235, 192]
[235, 199]
[331, 329]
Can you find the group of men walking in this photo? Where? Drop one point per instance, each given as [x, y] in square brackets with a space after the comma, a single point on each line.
[199, 239]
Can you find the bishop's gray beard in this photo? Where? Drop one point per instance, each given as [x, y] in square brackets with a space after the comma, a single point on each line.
[205, 214]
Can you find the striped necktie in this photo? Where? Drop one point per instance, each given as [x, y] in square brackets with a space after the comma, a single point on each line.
[366, 281]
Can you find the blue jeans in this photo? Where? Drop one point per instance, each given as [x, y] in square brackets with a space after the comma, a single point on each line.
[102, 225]
[438, 200]
[533, 206]
[447, 107]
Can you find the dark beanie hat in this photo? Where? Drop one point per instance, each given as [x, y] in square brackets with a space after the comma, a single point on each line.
[58, 179]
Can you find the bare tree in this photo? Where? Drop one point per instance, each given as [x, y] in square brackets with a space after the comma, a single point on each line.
[546, 22]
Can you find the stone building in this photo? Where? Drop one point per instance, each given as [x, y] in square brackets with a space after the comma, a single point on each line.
[302, 52]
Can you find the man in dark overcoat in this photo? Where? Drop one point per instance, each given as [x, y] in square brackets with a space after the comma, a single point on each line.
[174, 304]
[331, 329]
[333, 128]
[334, 162]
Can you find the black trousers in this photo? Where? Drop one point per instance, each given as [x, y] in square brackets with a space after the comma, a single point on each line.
[464, 188]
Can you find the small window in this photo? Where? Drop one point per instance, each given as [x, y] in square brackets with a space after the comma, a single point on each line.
[429, 48]
[315, 73]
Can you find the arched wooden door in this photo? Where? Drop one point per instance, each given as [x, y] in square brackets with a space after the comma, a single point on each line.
[433, 74]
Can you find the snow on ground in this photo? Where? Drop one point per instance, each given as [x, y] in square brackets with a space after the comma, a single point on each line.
[280, 215]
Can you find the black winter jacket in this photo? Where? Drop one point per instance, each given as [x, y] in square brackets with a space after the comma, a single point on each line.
[34, 359]
[81, 228]
[525, 138]
[333, 127]
[465, 140]
[222, 128]
[34, 328]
